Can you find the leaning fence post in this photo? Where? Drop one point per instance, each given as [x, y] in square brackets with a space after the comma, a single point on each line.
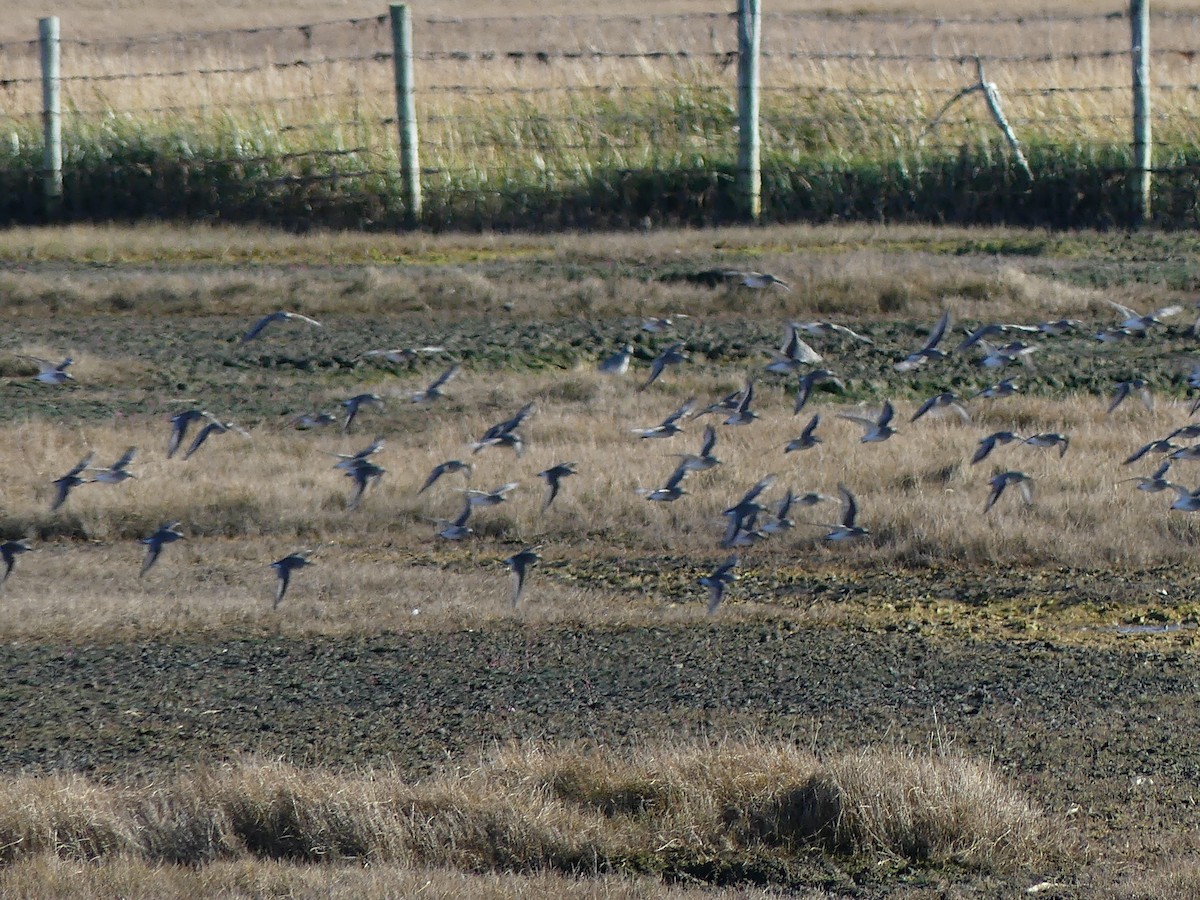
[406, 110]
[52, 178]
[1139, 21]
[749, 171]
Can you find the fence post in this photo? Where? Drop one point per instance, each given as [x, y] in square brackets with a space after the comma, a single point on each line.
[52, 178]
[406, 110]
[1139, 21]
[749, 172]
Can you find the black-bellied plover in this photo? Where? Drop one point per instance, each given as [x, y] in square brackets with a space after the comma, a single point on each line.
[877, 429]
[448, 467]
[554, 476]
[281, 316]
[166, 534]
[9, 551]
[64, 485]
[521, 563]
[283, 572]
[929, 350]
[717, 581]
[998, 484]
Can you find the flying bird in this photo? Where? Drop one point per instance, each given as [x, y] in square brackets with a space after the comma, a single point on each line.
[51, 372]
[670, 491]
[9, 551]
[502, 433]
[1049, 439]
[283, 572]
[1138, 323]
[521, 563]
[434, 391]
[716, 582]
[307, 421]
[118, 471]
[877, 429]
[704, 460]
[617, 363]
[490, 498]
[660, 324]
[213, 427]
[282, 316]
[364, 472]
[1162, 445]
[829, 329]
[554, 476]
[166, 534]
[669, 427]
[671, 356]
[757, 280]
[947, 400]
[457, 528]
[400, 355]
[742, 413]
[998, 391]
[67, 482]
[845, 529]
[929, 350]
[1002, 481]
[1155, 482]
[180, 423]
[811, 380]
[794, 354]
[808, 437]
[1125, 388]
[449, 467]
[991, 442]
[352, 405]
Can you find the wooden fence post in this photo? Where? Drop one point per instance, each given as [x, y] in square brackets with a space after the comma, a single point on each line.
[52, 177]
[1139, 21]
[406, 110]
[749, 171]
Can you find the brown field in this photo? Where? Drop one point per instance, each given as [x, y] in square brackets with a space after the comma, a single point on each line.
[989, 703]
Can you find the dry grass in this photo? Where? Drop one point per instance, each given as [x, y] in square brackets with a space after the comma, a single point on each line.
[548, 809]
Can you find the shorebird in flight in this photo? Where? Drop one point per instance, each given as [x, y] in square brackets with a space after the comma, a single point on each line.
[704, 460]
[51, 372]
[364, 472]
[991, 442]
[756, 280]
[794, 354]
[307, 421]
[846, 530]
[350, 460]
[554, 476]
[1049, 439]
[999, 357]
[1002, 481]
[617, 363]
[521, 563]
[352, 405]
[283, 572]
[118, 471]
[877, 429]
[9, 551]
[670, 491]
[829, 329]
[947, 400]
[929, 350]
[811, 380]
[211, 428]
[1138, 323]
[716, 582]
[503, 433]
[671, 356]
[282, 316]
[669, 427]
[166, 534]
[180, 423]
[743, 514]
[1162, 445]
[742, 413]
[457, 528]
[984, 332]
[434, 391]
[1125, 388]
[400, 354]
[660, 324]
[998, 391]
[490, 498]
[449, 467]
[808, 437]
[1155, 482]
[71, 480]
[1185, 500]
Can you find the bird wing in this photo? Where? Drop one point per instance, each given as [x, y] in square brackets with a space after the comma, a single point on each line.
[939, 331]
[444, 378]
[710, 441]
[126, 459]
[849, 506]
[80, 466]
[302, 318]
[257, 328]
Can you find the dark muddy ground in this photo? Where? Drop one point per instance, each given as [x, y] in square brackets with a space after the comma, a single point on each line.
[1103, 738]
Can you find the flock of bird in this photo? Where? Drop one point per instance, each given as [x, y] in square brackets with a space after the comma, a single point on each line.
[749, 520]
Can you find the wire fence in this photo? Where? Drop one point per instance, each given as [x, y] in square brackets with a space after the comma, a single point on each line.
[593, 120]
